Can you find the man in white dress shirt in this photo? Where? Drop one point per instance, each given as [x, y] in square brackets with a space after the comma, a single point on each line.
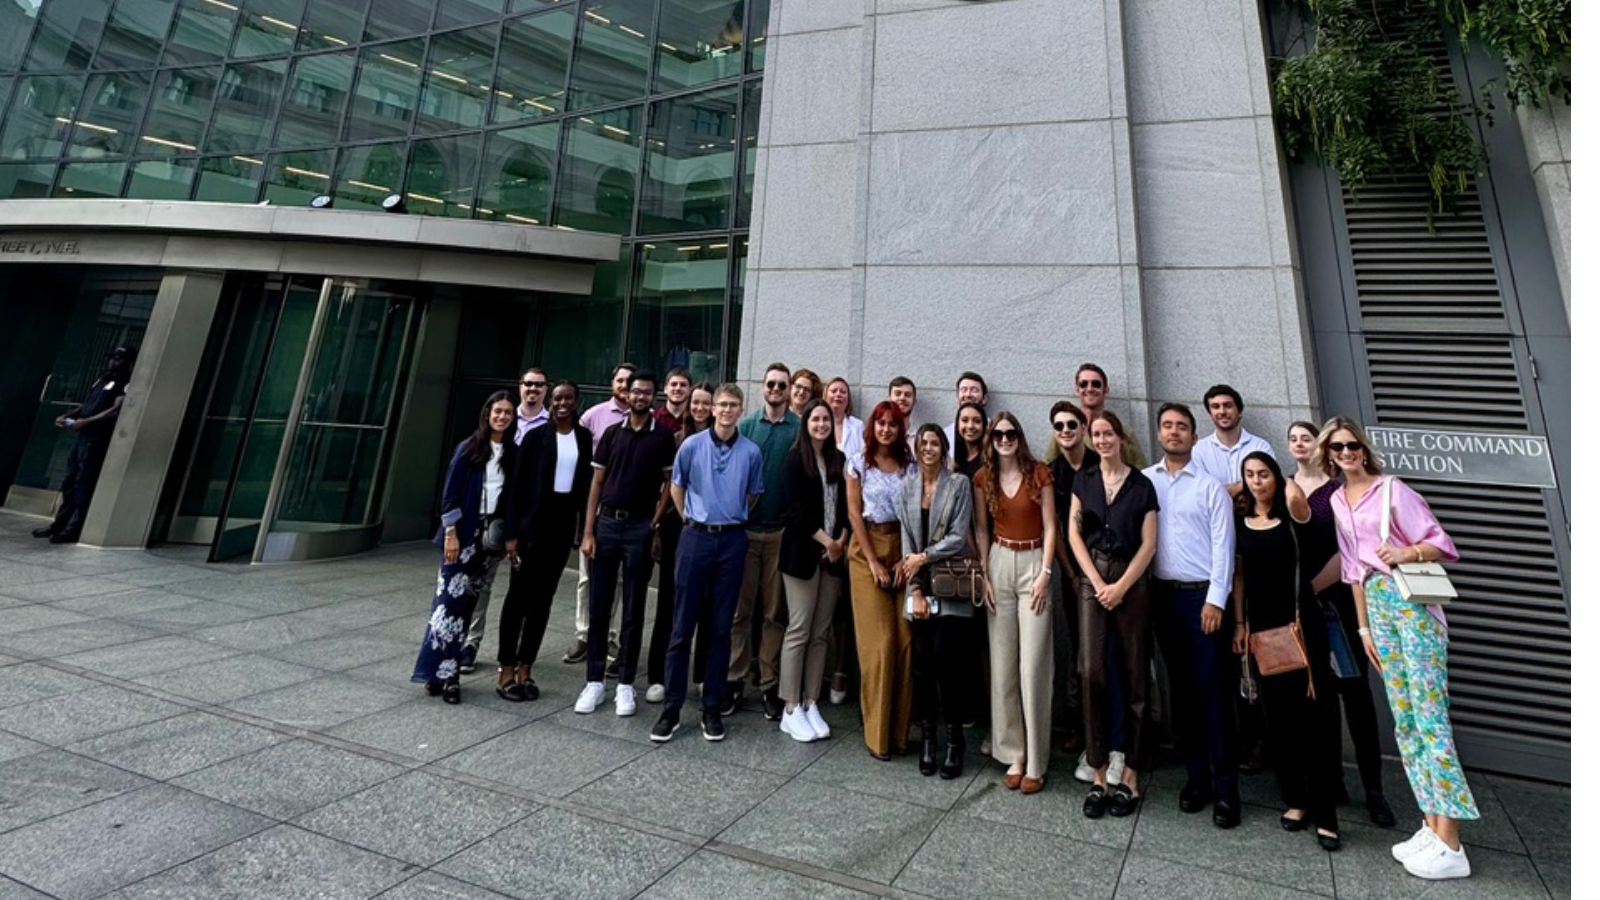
[1221, 453]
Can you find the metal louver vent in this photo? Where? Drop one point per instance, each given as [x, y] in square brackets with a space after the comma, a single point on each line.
[1456, 383]
[1510, 631]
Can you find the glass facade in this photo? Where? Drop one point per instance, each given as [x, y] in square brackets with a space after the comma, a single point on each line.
[634, 117]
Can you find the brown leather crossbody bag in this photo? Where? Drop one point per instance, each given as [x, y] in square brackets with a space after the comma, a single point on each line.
[1282, 649]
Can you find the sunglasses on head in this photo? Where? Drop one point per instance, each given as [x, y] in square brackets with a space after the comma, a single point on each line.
[1010, 434]
[1067, 425]
[1087, 383]
[1342, 446]
[533, 384]
[777, 385]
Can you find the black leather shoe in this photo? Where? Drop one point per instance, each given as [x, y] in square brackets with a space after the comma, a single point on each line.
[1124, 802]
[64, 538]
[1094, 805]
[771, 705]
[435, 688]
[734, 698]
[711, 726]
[1225, 813]
[452, 692]
[1328, 842]
[47, 531]
[1193, 799]
[927, 763]
[955, 752]
[530, 691]
[665, 727]
[1378, 810]
[1293, 824]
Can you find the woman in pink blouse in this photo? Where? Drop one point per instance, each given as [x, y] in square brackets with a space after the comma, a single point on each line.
[1406, 641]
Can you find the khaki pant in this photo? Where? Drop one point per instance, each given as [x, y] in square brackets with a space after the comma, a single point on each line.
[761, 581]
[1021, 663]
[883, 644]
[805, 643]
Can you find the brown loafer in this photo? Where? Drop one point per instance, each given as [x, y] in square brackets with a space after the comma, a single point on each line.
[1032, 785]
[1013, 780]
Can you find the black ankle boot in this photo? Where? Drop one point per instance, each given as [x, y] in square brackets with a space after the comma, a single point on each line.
[927, 764]
[955, 752]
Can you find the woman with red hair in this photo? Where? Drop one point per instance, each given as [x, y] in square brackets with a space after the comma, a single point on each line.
[883, 636]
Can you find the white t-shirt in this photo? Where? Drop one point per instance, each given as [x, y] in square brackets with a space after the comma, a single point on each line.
[566, 461]
[494, 477]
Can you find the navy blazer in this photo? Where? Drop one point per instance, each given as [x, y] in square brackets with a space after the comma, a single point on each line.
[534, 481]
[798, 551]
[463, 492]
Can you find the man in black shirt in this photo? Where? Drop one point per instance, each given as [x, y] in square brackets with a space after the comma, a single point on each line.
[93, 420]
[626, 501]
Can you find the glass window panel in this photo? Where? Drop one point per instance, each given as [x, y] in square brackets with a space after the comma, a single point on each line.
[5, 90]
[456, 88]
[736, 303]
[67, 33]
[398, 18]
[466, 12]
[369, 173]
[699, 41]
[749, 132]
[90, 180]
[386, 92]
[134, 34]
[442, 176]
[268, 27]
[37, 124]
[161, 179]
[314, 105]
[245, 100]
[20, 15]
[202, 33]
[229, 179]
[179, 109]
[582, 336]
[532, 80]
[756, 36]
[689, 174]
[518, 6]
[22, 181]
[613, 58]
[332, 23]
[518, 168]
[600, 171]
[294, 178]
[110, 113]
[679, 291]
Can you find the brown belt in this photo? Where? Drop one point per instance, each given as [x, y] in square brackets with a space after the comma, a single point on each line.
[884, 527]
[1009, 544]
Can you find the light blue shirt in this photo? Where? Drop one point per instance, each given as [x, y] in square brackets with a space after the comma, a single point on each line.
[1223, 463]
[717, 479]
[525, 424]
[1194, 533]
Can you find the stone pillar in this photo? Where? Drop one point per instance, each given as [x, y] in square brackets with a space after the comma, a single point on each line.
[124, 504]
[1547, 134]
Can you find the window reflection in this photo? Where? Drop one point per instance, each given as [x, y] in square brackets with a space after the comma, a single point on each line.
[518, 166]
[202, 32]
[66, 34]
[600, 170]
[369, 173]
[699, 41]
[466, 12]
[456, 89]
[679, 289]
[179, 110]
[109, 113]
[398, 18]
[332, 23]
[689, 173]
[582, 336]
[533, 66]
[386, 92]
[229, 179]
[294, 178]
[245, 99]
[134, 34]
[613, 57]
[749, 132]
[314, 104]
[161, 179]
[269, 27]
[26, 180]
[90, 180]
[19, 16]
[40, 116]
[442, 176]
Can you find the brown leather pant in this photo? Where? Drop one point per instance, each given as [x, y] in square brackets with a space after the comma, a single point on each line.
[1129, 626]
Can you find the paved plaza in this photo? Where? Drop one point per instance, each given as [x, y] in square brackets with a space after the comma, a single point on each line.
[175, 729]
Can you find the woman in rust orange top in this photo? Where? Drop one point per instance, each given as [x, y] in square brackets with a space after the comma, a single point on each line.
[1016, 490]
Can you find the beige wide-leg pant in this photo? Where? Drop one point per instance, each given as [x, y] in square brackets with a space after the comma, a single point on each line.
[1021, 663]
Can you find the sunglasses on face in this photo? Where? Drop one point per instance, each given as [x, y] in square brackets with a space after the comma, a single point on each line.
[1087, 383]
[1342, 446]
[777, 385]
[533, 384]
[1009, 434]
[1067, 425]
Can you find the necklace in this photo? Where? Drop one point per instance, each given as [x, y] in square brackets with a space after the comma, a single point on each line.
[1114, 485]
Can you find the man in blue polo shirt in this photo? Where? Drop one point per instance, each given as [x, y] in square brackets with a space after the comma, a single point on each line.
[716, 478]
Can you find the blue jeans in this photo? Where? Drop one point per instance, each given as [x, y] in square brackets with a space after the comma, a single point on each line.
[710, 569]
[1202, 707]
[626, 544]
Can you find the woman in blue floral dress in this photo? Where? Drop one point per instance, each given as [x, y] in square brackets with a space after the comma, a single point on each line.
[474, 497]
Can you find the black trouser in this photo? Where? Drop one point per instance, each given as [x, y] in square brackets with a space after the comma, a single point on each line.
[1360, 712]
[526, 611]
[941, 668]
[1200, 668]
[1303, 731]
[83, 472]
[710, 569]
[619, 544]
[1128, 629]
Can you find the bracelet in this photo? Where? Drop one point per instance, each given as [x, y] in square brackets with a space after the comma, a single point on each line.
[1364, 632]
[1418, 552]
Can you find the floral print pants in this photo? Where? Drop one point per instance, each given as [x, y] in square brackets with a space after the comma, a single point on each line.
[454, 597]
[1412, 645]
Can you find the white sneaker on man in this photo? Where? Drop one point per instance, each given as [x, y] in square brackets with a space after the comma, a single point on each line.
[627, 705]
[1437, 861]
[818, 726]
[655, 693]
[794, 724]
[1084, 772]
[1114, 768]
[594, 694]
[1413, 845]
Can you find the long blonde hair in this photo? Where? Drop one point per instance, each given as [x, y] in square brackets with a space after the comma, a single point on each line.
[1322, 460]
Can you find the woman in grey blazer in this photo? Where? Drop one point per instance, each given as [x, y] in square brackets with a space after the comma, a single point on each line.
[935, 513]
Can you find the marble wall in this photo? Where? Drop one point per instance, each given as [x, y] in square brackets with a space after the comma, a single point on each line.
[1547, 135]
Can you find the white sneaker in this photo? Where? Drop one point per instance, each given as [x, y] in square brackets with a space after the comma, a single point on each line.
[985, 748]
[794, 724]
[594, 694]
[1084, 772]
[626, 704]
[699, 689]
[818, 726]
[1413, 845]
[1114, 768]
[655, 693]
[1437, 862]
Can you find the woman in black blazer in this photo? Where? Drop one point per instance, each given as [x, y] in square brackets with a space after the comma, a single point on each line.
[549, 495]
[811, 560]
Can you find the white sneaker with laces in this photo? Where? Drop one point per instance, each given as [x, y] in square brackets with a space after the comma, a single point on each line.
[1413, 845]
[794, 724]
[1084, 772]
[655, 693]
[594, 694]
[818, 726]
[1438, 862]
[836, 697]
[1114, 768]
[627, 705]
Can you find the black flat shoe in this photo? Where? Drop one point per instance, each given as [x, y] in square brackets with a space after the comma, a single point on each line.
[1225, 813]
[1328, 842]
[1292, 824]
[511, 693]
[530, 691]
[1193, 798]
[435, 688]
[452, 692]
[47, 531]
[1124, 802]
[1378, 810]
[1094, 805]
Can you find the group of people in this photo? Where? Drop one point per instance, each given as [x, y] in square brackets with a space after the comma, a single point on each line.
[797, 537]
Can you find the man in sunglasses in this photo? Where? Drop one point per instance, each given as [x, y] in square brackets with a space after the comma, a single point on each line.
[772, 429]
[598, 419]
[1091, 385]
[531, 412]
[1221, 453]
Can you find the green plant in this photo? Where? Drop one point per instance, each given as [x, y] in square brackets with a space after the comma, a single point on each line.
[1534, 37]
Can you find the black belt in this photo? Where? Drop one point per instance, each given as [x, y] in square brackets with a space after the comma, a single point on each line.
[713, 529]
[621, 515]
[1185, 585]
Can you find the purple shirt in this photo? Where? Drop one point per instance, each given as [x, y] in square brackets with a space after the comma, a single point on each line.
[1411, 523]
[601, 417]
[526, 424]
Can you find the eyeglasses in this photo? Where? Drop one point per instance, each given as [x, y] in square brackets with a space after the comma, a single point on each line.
[777, 385]
[1087, 383]
[1342, 446]
[534, 384]
[1067, 425]
[1010, 434]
